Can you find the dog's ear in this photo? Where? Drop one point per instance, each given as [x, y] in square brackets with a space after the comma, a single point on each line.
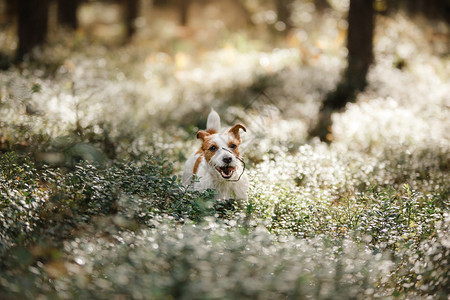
[202, 134]
[213, 122]
[235, 130]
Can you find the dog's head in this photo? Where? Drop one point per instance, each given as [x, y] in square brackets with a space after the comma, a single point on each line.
[221, 150]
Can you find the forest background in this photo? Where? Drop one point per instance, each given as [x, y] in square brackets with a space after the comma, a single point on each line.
[346, 105]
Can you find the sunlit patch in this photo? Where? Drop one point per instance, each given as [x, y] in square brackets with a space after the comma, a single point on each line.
[233, 145]
[209, 147]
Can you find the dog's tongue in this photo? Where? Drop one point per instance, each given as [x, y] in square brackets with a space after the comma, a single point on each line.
[226, 172]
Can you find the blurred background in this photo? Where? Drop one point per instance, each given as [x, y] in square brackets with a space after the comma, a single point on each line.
[27, 23]
[103, 69]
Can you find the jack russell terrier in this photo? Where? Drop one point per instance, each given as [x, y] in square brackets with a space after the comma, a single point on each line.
[217, 164]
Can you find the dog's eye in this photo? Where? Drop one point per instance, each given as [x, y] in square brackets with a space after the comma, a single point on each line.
[213, 148]
[233, 146]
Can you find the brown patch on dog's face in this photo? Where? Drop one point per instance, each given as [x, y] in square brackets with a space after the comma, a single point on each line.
[209, 147]
[233, 145]
[235, 139]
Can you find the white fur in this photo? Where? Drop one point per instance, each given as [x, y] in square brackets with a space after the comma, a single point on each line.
[207, 176]
[213, 121]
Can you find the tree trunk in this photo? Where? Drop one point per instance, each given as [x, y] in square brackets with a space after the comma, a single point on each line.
[321, 5]
[244, 11]
[284, 12]
[183, 6]
[10, 10]
[32, 25]
[361, 25]
[159, 2]
[67, 13]
[131, 8]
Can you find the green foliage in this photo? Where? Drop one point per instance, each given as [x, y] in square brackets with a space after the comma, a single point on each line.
[46, 205]
[213, 261]
[20, 200]
[118, 229]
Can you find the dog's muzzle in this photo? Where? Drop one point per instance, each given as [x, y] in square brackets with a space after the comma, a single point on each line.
[227, 171]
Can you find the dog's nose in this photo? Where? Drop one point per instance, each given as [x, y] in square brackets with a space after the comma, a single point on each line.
[227, 159]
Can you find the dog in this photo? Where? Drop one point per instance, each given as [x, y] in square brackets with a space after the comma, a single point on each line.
[217, 164]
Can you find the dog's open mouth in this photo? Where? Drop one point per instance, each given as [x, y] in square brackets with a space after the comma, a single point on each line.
[226, 171]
